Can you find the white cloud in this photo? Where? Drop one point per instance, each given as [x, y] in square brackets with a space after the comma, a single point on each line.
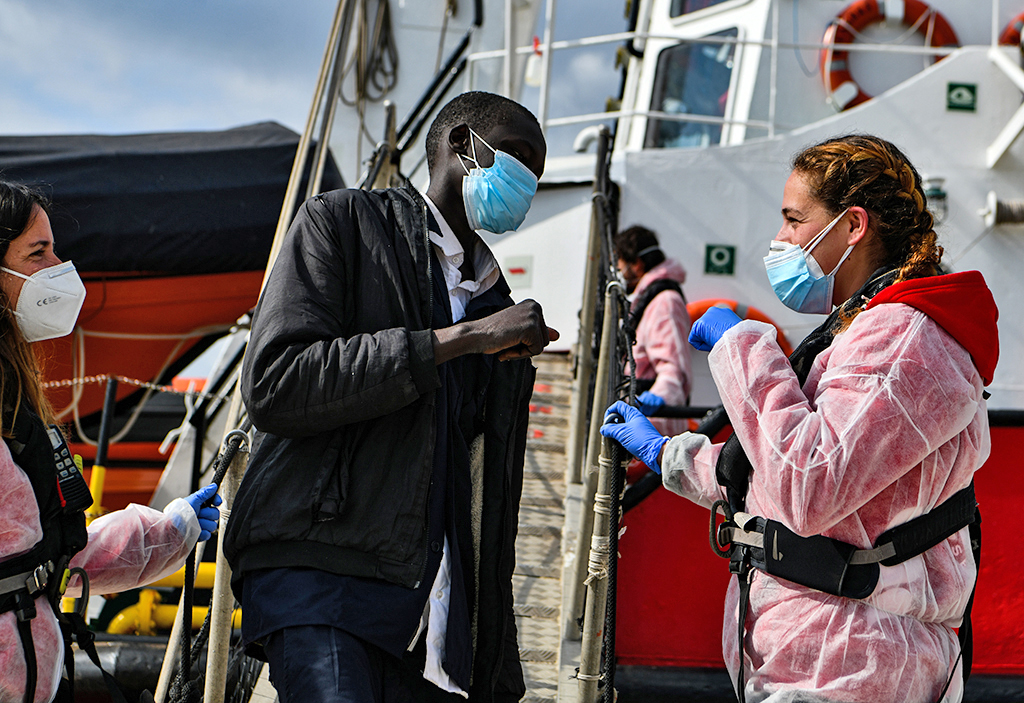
[121, 66]
[113, 67]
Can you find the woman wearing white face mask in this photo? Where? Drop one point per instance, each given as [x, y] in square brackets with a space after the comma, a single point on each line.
[43, 536]
[877, 419]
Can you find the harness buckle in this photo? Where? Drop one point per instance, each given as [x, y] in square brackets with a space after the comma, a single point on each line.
[739, 563]
[38, 578]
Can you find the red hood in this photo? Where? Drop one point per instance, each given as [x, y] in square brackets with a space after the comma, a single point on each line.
[961, 304]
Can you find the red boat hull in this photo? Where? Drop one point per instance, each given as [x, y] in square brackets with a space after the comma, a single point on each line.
[153, 315]
[671, 587]
[158, 321]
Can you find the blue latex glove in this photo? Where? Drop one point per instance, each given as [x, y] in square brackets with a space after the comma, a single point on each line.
[649, 403]
[637, 435]
[710, 327]
[208, 516]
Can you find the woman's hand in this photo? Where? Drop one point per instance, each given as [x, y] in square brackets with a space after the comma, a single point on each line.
[710, 327]
[637, 435]
[208, 516]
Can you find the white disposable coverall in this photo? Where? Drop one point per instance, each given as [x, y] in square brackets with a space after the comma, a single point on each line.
[127, 548]
[889, 424]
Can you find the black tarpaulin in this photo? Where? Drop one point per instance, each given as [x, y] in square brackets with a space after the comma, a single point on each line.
[172, 203]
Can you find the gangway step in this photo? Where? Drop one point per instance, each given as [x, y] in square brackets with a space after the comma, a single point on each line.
[264, 691]
[535, 611]
[540, 531]
[537, 580]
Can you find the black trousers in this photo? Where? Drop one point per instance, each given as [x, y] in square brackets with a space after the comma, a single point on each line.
[322, 664]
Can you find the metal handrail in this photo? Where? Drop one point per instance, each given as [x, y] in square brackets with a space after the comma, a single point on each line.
[616, 37]
[603, 501]
[584, 443]
[654, 114]
[631, 37]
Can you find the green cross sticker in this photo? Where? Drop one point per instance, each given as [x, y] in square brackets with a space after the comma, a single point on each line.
[720, 259]
[962, 96]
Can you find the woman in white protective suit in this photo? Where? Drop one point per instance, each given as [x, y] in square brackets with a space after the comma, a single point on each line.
[877, 419]
[43, 496]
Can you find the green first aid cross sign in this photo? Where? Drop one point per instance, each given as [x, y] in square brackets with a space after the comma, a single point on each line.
[720, 259]
[962, 96]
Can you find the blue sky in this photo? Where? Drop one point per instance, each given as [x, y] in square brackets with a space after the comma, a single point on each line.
[125, 66]
[119, 66]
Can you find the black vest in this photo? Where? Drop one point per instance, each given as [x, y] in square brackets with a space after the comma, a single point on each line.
[61, 495]
[640, 305]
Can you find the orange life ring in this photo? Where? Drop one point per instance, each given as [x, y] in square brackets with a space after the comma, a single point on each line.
[835, 63]
[747, 312]
[1011, 35]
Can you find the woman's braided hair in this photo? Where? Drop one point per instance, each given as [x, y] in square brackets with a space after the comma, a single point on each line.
[869, 172]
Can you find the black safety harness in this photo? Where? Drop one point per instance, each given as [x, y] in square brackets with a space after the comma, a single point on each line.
[62, 496]
[822, 563]
[637, 310]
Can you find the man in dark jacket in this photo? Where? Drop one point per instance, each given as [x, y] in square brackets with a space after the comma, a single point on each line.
[387, 374]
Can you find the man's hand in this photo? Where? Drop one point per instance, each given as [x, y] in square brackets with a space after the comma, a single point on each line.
[512, 333]
[516, 332]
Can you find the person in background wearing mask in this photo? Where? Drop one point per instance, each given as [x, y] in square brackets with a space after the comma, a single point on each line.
[659, 317]
[878, 418]
[42, 522]
[372, 537]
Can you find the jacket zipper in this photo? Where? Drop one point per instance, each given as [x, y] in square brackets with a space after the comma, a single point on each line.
[430, 271]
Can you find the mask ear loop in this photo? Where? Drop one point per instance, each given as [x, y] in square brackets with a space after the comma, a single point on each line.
[493, 150]
[844, 257]
[15, 273]
[472, 145]
[821, 235]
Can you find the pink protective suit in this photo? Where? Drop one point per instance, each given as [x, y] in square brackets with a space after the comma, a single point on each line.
[889, 424]
[661, 350]
[126, 549]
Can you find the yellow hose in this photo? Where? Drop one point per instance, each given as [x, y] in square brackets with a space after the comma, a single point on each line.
[148, 616]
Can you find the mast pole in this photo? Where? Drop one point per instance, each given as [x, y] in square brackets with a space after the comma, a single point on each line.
[549, 30]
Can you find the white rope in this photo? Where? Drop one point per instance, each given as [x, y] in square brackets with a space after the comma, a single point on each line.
[597, 565]
[840, 22]
[603, 503]
[929, 15]
[78, 382]
[85, 380]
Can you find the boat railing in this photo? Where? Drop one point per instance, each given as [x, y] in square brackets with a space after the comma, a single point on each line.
[631, 38]
[655, 114]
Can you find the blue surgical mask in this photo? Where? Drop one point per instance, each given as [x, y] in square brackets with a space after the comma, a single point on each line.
[498, 197]
[797, 278]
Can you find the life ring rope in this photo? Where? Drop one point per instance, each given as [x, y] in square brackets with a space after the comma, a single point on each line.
[842, 90]
[930, 15]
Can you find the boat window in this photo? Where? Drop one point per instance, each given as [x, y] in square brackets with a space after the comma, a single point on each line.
[683, 7]
[693, 79]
